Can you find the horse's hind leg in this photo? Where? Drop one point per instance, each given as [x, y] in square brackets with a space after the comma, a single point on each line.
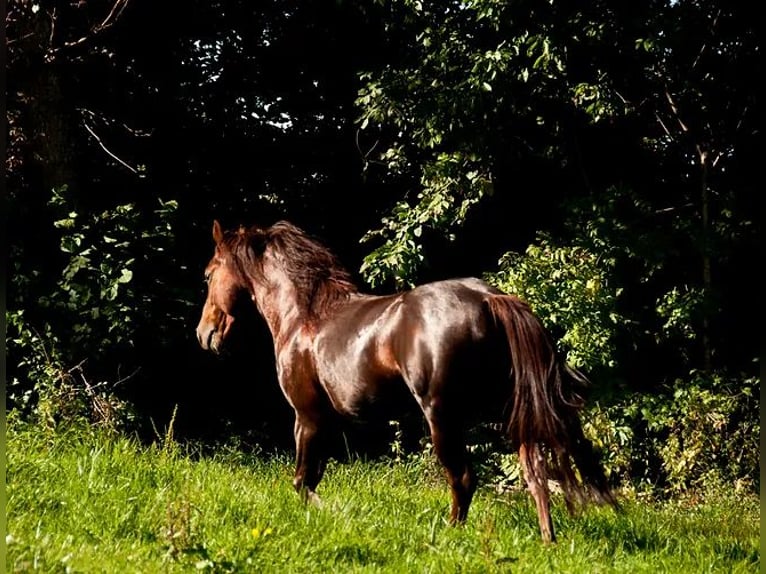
[536, 477]
[449, 445]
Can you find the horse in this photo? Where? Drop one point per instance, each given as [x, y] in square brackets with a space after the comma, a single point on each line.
[462, 349]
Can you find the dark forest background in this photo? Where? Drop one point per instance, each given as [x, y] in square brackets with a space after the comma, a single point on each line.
[599, 160]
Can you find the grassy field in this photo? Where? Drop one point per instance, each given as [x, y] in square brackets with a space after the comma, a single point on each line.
[85, 502]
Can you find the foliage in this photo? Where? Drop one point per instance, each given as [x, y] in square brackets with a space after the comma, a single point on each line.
[571, 290]
[681, 309]
[60, 396]
[709, 430]
[558, 105]
[93, 312]
[450, 187]
[95, 286]
[103, 250]
[444, 101]
[615, 431]
[697, 433]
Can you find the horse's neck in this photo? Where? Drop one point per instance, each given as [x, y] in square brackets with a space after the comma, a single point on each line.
[280, 307]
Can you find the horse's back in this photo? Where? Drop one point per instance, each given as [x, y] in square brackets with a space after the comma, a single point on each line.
[435, 337]
[466, 288]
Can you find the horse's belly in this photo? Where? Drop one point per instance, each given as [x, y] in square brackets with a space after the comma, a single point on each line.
[362, 394]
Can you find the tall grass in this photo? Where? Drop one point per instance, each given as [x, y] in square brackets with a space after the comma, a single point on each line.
[87, 501]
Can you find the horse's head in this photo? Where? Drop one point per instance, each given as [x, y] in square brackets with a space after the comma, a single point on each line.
[226, 290]
[280, 272]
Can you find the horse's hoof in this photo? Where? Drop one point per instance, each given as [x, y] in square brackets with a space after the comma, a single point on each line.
[314, 499]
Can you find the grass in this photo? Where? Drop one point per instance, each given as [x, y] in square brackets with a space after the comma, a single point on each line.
[84, 501]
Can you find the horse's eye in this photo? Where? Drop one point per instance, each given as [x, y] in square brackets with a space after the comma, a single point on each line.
[207, 277]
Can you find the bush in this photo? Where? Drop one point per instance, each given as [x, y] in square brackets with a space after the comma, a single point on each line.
[707, 429]
[695, 433]
[571, 290]
[106, 289]
[59, 395]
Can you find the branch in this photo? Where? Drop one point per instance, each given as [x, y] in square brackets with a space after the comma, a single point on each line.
[672, 209]
[52, 15]
[703, 154]
[114, 14]
[98, 140]
[703, 49]
[100, 117]
[674, 109]
[662, 124]
[365, 156]
[12, 41]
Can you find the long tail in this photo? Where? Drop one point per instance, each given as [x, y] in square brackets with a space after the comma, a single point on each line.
[546, 401]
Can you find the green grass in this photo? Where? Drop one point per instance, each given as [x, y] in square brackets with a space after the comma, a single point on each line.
[84, 502]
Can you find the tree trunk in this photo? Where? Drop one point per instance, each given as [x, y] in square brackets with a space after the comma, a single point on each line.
[707, 280]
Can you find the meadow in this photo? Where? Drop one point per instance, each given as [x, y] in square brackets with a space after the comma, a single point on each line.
[90, 501]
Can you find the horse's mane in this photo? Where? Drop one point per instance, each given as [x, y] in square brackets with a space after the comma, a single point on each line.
[314, 271]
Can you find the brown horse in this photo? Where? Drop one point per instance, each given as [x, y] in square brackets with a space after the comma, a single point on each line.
[462, 349]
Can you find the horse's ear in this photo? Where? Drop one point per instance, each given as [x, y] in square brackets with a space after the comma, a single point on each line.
[217, 232]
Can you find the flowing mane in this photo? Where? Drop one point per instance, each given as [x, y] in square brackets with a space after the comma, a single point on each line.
[314, 271]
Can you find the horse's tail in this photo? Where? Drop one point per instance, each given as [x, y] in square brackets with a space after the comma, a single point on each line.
[547, 397]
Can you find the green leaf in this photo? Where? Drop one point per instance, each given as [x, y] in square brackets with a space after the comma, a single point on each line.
[125, 276]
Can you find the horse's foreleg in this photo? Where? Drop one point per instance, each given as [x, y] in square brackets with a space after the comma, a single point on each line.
[309, 459]
[537, 482]
[449, 445]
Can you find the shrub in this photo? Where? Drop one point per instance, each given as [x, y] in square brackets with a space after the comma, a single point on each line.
[571, 290]
[59, 394]
[695, 433]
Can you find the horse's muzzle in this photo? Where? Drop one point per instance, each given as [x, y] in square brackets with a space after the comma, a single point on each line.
[207, 339]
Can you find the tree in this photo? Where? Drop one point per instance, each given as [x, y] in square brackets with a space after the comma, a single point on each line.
[131, 129]
[588, 122]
